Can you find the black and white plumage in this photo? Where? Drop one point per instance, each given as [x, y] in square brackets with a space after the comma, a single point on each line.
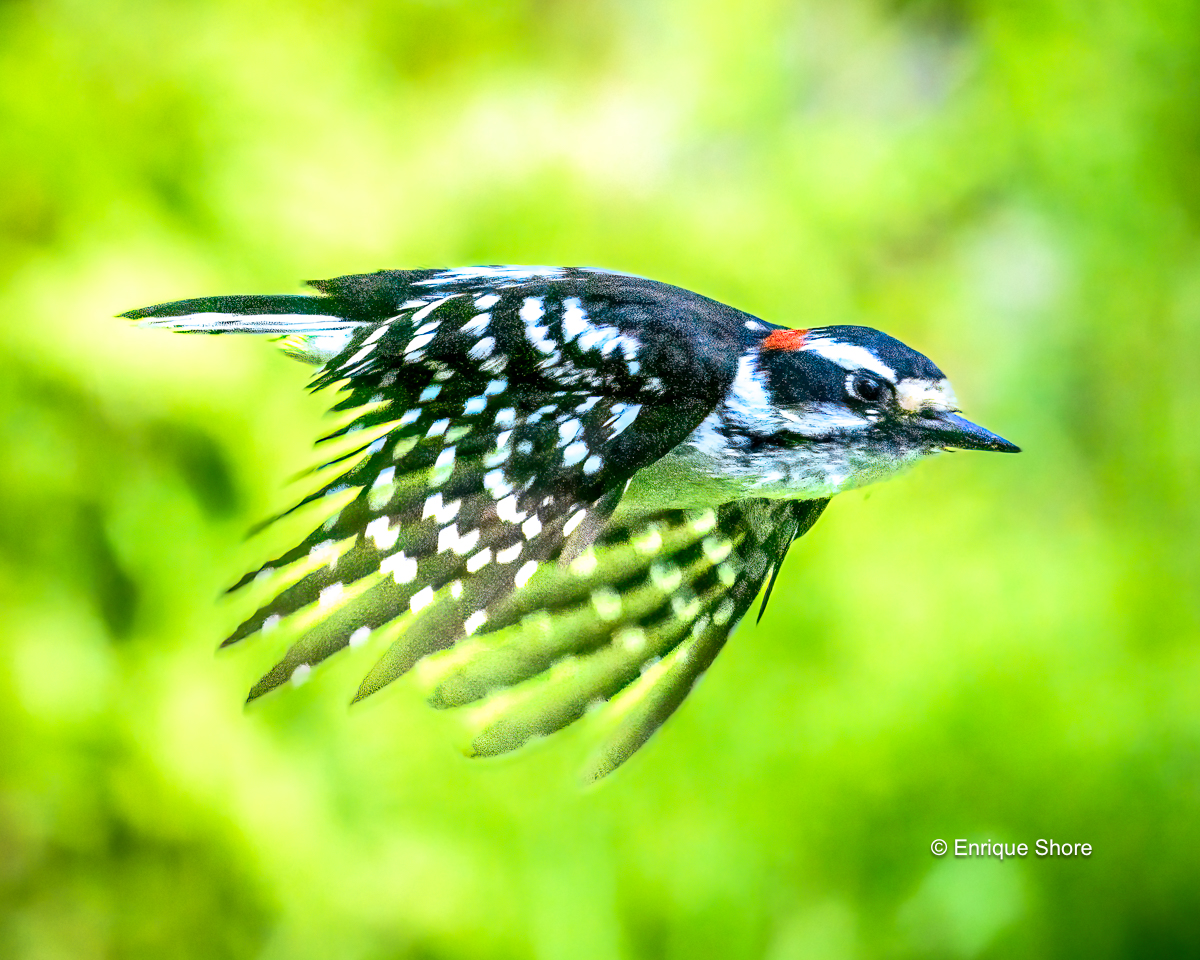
[578, 480]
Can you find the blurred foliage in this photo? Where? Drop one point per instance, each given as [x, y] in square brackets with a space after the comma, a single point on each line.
[989, 648]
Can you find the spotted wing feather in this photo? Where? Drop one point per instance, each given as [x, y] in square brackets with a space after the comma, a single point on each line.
[496, 415]
[628, 627]
[506, 409]
[769, 528]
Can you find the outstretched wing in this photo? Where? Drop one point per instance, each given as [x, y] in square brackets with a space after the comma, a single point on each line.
[629, 626]
[502, 411]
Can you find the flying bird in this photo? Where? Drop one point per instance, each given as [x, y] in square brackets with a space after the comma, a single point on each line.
[569, 484]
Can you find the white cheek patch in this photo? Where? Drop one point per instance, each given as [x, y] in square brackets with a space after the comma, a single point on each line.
[848, 355]
[823, 419]
[914, 394]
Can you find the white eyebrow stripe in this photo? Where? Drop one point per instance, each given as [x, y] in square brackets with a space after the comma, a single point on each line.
[849, 355]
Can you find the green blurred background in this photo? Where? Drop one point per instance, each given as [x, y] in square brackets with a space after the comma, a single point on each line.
[996, 648]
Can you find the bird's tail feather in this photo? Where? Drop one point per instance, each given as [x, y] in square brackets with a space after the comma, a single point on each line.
[312, 328]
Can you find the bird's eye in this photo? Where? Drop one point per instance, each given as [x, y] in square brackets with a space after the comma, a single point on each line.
[866, 388]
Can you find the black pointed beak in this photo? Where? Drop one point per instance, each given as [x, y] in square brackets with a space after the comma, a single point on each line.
[951, 430]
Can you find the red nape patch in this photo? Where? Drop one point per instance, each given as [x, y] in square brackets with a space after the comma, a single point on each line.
[785, 340]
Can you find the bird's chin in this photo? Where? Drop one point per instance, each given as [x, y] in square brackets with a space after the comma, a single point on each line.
[883, 464]
[815, 470]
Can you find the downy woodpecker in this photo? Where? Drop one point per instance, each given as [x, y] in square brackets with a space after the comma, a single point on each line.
[579, 480]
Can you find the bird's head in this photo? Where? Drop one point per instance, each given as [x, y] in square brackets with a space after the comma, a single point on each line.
[845, 406]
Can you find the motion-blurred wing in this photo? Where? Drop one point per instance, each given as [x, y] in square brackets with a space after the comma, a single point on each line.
[629, 626]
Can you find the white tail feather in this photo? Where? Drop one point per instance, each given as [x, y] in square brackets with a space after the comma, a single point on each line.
[311, 338]
[276, 323]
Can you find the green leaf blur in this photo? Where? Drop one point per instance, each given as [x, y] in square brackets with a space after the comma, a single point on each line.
[990, 648]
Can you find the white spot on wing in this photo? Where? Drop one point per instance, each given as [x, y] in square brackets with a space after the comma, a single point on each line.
[574, 454]
[528, 569]
[607, 603]
[378, 531]
[442, 467]
[479, 561]
[483, 349]
[716, 548]
[323, 553]
[626, 414]
[421, 599]
[573, 521]
[495, 484]
[442, 513]
[574, 321]
[362, 354]
[599, 337]
[506, 509]
[428, 309]
[665, 576]
[632, 639]
[477, 325]
[648, 543]
[704, 521]
[402, 568]
[569, 430]
[466, 543]
[585, 564]
[508, 554]
[448, 539]
[531, 313]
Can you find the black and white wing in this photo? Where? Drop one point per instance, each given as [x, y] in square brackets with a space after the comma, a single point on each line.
[629, 626]
[502, 412]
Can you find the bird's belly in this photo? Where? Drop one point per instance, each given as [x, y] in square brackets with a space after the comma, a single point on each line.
[697, 474]
[688, 477]
[680, 481]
